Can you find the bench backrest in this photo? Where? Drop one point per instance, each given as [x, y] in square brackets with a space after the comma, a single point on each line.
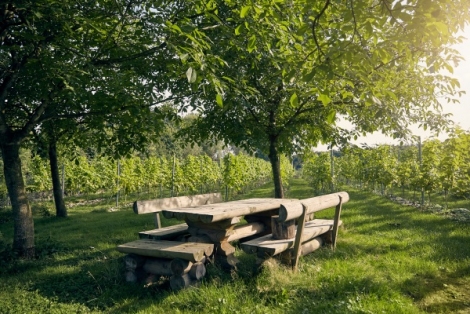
[157, 205]
[295, 209]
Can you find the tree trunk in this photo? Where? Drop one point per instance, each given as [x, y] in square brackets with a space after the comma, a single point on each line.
[23, 237]
[276, 168]
[60, 209]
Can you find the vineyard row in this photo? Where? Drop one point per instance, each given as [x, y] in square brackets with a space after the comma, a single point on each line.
[190, 175]
[431, 167]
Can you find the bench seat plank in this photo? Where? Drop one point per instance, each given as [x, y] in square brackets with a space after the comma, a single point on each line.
[270, 247]
[167, 233]
[189, 251]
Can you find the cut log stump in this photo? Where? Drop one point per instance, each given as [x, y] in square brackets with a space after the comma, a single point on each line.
[282, 230]
[180, 282]
[180, 267]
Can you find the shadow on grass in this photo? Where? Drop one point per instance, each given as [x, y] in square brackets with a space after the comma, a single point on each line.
[79, 263]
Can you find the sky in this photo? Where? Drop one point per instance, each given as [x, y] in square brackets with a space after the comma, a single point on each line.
[460, 112]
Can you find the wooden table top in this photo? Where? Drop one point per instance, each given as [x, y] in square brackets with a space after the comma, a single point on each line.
[220, 211]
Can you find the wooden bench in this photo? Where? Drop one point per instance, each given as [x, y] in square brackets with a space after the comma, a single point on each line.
[157, 205]
[291, 242]
[183, 262]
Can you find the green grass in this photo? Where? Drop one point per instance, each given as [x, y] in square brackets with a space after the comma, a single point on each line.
[389, 259]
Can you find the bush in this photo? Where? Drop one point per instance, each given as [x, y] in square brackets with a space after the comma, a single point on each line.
[42, 209]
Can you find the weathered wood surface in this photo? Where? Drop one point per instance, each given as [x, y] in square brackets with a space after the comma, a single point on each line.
[132, 261]
[158, 266]
[282, 230]
[310, 246]
[293, 210]
[157, 205]
[180, 267]
[197, 271]
[306, 248]
[217, 212]
[133, 264]
[246, 230]
[167, 233]
[337, 218]
[181, 282]
[193, 252]
[270, 247]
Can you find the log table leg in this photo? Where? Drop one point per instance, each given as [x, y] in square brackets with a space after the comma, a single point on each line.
[217, 233]
[133, 264]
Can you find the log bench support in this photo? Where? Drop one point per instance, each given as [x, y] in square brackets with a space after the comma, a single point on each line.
[148, 260]
[219, 234]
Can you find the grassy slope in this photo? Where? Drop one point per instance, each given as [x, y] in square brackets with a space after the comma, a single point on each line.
[389, 259]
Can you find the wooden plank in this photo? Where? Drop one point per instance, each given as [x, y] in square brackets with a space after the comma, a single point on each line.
[167, 233]
[157, 205]
[314, 204]
[217, 212]
[267, 245]
[298, 238]
[193, 252]
[317, 227]
[336, 223]
[270, 247]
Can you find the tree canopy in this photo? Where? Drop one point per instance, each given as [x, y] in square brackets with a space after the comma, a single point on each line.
[295, 68]
[102, 64]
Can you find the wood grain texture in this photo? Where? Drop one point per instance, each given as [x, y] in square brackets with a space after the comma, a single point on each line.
[246, 230]
[289, 211]
[193, 252]
[217, 212]
[167, 233]
[157, 205]
[270, 247]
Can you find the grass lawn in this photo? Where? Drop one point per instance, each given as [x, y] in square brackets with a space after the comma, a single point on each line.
[389, 259]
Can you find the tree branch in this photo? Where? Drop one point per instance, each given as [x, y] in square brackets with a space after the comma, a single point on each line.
[104, 112]
[145, 53]
[315, 24]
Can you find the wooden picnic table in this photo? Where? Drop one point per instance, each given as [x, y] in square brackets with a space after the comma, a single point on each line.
[219, 223]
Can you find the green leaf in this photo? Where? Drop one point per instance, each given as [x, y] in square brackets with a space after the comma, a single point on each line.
[176, 27]
[191, 75]
[324, 98]
[184, 57]
[294, 100]
[237, 30]
[251, 43]
[331, 117]
[219, 100]
[244, 11]
[442, 28]
[309, 76]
